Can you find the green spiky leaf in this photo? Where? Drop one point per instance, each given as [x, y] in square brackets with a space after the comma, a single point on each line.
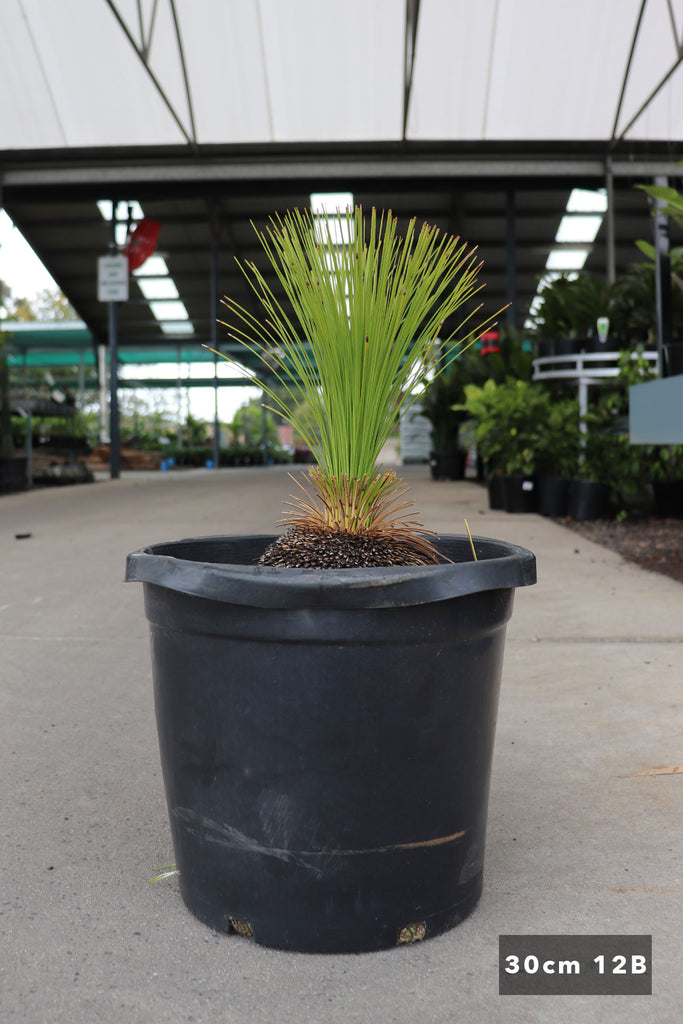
[365, 330]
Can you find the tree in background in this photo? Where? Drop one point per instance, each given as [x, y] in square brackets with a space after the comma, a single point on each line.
[249, 422]
[49, 305]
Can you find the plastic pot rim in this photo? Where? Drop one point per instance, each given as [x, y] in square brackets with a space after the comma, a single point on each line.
[500, 565]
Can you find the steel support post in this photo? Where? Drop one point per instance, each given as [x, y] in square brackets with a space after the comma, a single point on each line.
[214, 345]
[662, 279]
[511, 246]
[114, 434]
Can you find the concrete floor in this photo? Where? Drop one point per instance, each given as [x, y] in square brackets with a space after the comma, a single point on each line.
[581, 840]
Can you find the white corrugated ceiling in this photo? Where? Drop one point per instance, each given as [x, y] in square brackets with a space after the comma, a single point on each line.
[239, 71]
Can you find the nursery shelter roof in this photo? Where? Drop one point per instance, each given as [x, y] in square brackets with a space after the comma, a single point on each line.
[207, 116]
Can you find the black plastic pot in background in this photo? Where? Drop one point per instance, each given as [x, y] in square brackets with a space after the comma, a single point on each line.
[668, 496]
[593, 345]
[563, 347]
[588, 500]
[494, 485]
[553, 496]
[13, 473]
[326, 736]
[447, 465]
[520, 494]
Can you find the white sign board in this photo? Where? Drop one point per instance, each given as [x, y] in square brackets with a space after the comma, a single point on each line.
[112, 279]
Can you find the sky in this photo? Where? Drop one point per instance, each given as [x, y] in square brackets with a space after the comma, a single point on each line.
[25, 275]
[20, 268]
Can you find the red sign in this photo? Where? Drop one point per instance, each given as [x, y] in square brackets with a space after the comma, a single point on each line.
[142, 242]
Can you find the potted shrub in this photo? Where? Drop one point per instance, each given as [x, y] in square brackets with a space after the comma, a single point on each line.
[508, 420]
[480, 405]
[508, 356]
[565, 321]
[447, 458]
[557, 453]
[601, 464]
[666, 474]
[612, 471]
[326, 699]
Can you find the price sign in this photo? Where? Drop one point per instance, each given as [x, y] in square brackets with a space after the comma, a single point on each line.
[112, 279]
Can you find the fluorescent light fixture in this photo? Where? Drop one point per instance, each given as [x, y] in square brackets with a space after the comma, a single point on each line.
[177, 328]
[578, 228]
[129, 210]
[154, 266]
[583, 200]
[172, 316]
[169, 310]
[158, 287]
[580, 224]
[330, 202]
[567, 259]
[334, 231]
[124, 209]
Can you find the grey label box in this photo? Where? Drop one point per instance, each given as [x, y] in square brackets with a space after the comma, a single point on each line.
[585, 965]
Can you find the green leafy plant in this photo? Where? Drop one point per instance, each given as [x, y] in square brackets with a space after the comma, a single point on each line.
[673, 207]
[633, 314]
[558, 437]
[363, 334]
[608, 456]
[442, 402]
[439, 407]
[509, 419]
[512, 356]
[569, 307]
[607, 453]
[666, 462]
[249, 423]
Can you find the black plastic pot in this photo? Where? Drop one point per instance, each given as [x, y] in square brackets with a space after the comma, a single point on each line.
[496, 494]
[447, 465]
[587, 499]
[13, 473]
[520, 494]
[553, 496]
[326, 736]
[668, 496]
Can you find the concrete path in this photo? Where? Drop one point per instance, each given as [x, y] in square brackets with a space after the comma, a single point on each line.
[583, 837]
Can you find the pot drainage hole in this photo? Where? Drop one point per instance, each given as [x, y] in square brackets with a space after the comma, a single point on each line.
[412, 932]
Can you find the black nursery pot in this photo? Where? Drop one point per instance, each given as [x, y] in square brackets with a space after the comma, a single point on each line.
[447, 465]
[668, 498]
[496, 492]
[326, 736]
[553, 496]
[13, 473]
[587, 500]
[520, 494]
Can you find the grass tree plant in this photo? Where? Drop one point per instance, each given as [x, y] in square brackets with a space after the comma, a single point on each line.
[368, 308]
